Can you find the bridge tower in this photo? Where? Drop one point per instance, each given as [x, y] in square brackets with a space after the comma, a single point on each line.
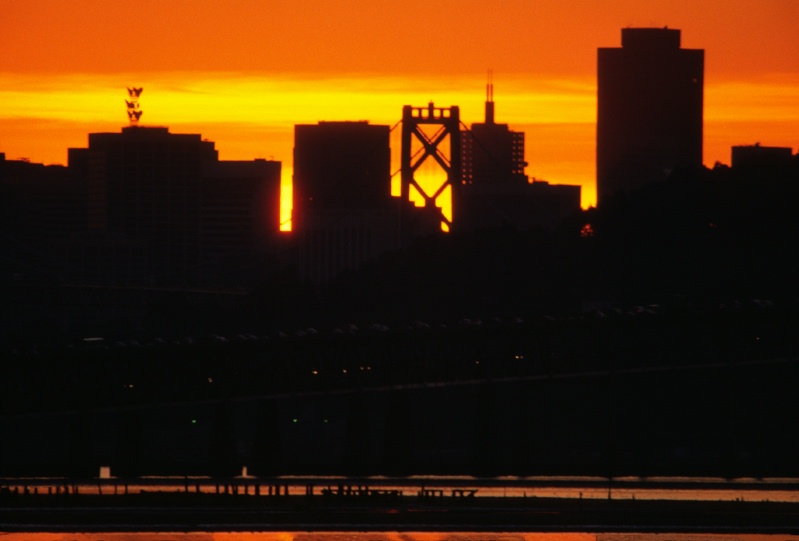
[425, 134]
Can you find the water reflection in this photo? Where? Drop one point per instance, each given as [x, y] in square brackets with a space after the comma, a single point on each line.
[589, 488]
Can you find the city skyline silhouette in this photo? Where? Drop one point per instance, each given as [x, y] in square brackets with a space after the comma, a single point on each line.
[158, 321]
[135, 176]
[152, 208]
[545, 80]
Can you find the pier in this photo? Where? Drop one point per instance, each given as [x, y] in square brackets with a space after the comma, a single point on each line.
[396, 504]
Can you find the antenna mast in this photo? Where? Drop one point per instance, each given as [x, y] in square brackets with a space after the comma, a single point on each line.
[490, 98]
[134, 113]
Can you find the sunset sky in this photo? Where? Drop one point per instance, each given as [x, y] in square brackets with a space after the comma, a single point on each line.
[244, 72]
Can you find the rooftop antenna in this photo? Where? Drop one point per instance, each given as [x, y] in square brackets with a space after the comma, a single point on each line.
[490, 98]
[134, 113]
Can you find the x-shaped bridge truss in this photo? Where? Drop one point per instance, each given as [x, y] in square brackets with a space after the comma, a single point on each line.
[448, 120]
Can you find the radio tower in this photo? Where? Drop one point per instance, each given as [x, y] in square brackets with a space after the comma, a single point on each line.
[489, 110]
[134, 113]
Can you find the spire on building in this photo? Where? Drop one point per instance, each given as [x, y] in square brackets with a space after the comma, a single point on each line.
[134, 113]
[489, 112]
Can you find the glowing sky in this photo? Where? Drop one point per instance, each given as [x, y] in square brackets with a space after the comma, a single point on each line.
[243, 72]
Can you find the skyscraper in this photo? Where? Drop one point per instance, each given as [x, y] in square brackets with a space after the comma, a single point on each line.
[343, 212]
[166, 210]
[491, 153]
[649, 109]
[340, 165]
[495, 190]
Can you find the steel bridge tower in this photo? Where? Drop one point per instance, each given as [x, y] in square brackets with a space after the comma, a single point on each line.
[445, 124]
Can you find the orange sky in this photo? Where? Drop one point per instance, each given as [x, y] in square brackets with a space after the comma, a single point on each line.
[243, 72]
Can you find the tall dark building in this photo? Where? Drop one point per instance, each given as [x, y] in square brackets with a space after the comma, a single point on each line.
[649, 117]
[340, 165]
[239, 218]
[165, 211]
[343, 212]
[492, 153]
[495, 191]
[144, 182]
[40, 203]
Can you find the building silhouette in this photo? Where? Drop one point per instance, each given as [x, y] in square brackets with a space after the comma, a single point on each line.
[492, 153]
[239, 219]
[343, 213]
[757, 155]
[40, 203]
[495, 191]
[162, 209]
[340, 165]
[649, 115]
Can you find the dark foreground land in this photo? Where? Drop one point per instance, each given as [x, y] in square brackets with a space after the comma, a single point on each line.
[658, 391]
[243, 507]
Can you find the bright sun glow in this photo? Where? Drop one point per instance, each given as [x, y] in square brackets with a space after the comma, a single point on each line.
[252, 117]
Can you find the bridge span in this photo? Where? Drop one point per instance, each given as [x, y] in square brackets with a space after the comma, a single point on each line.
[689, 395]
